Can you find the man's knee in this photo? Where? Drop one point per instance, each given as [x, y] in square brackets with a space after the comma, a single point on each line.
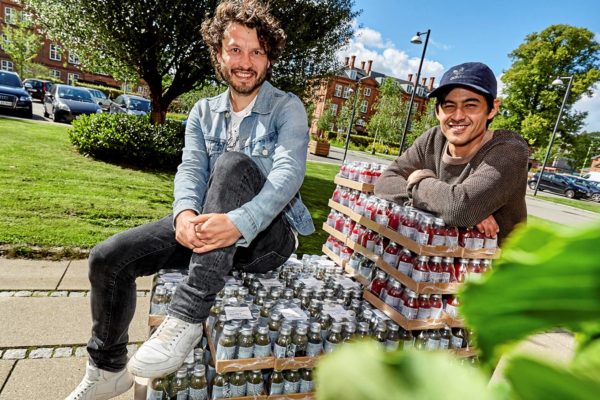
[233, 163]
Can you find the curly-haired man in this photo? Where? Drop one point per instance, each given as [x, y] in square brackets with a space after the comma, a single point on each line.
[236, 206]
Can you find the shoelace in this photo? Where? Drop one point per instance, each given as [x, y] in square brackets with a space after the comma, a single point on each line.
[83, 388]
[169, 332]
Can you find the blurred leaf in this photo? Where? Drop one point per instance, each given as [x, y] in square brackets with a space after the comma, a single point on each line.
[545, 278]
[535, 380]
[587, 361]
[360, 371]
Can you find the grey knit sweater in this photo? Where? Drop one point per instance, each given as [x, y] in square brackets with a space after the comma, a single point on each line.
[492, 181]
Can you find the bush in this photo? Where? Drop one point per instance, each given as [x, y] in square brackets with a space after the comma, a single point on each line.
[111, 92]
[129, 140]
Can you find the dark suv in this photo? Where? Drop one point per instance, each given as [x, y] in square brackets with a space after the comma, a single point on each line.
[13, 96]
[37, 87]
[561, 184]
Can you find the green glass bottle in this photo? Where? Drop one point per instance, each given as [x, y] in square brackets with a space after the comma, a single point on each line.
[157, 389]
[180, 387]
[237, 384]
[262, 344]
[245, 343]
[198, 384]
[276, 382]
[254, 383]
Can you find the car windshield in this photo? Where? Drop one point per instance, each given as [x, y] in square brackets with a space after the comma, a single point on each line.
[11, 80]
[139, 105]
[98, 93]
[577, 181]
[69, 93]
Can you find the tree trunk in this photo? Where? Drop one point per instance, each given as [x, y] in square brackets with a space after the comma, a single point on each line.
[158, 113]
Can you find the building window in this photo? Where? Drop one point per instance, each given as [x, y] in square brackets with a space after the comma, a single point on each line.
[334, 108]
[367, 91]
[346, 92]
[55, 52]
[72, 79]
[352, 74]
[54, 73]
[338, 91]
[6, 65]
[3, 40]
[364, 105]
[409, 88]
[10, 15]
[73, 59]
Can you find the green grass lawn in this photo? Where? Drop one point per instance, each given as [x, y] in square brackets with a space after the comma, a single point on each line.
[581, 204]
[52, 196]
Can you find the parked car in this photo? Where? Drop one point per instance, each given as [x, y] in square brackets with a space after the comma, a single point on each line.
[101, 99]
[65, 103]
[129, 104]
[37, 88]
[592, 176]
[560, 184]
[13, 96]
[592, 187]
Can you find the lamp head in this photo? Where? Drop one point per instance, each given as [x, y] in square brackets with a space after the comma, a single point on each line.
[416, 39]
[557, 82]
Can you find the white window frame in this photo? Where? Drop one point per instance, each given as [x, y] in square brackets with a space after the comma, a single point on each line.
[3, 40]
[364, 106]
[334, 108]
[367, 92]
[55, 73]
[338, 91]
[72, 78]
[346, 93]
[7, 65]
[73, 59]
[55, 52]
[10, 13]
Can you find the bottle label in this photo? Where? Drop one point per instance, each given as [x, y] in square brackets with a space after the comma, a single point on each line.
[245, 352]
[290, 387]
[158, 309]
[452, 311]
[198, 394]
[408, 345]
[432, 344]
[420, 276]
[254, 389]
[237, 390]
[438, 240]
[154, 394]
[490, 243]
[477, 243]
[405, 268]
[452, 241]
[306, 386]
[383, 293]
[359, 209]
[276, 388]
[329, 346]
[183, 394]
[225, 353]
[409, 232]
[370, 245]
[444, 343]
[457, 342]
[469, 243]
[279, 351]
[391, 345]
[435, 312]
[391, 300]
[378, 248]
[262, 350]
[354, 237]
[382, 219]
[391, 259]
[435, 277]
[291, 350]
[423, 238]
[424, 313]
[220, 392]
[410, 313]
[445, 277]
[314, 349]
[354, 262]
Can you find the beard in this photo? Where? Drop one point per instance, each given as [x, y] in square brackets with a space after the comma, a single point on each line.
[243, 88]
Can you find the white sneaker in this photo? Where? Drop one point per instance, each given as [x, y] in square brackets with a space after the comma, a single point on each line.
[166, 349]
[98, 384]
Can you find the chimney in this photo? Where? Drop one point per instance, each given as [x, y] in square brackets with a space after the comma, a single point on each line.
[431, 80]
[362, 65]
[410, 77]
[346, 61]
[423, 82]
[352, 61]
[369, 65]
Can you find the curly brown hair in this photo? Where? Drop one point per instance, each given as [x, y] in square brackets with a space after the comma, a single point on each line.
[253, 14]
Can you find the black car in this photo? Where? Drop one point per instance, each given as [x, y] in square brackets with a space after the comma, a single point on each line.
[131, 105]
[13, 96]
[65, 103]
[592, 187]
[37, 88]
[561, 184]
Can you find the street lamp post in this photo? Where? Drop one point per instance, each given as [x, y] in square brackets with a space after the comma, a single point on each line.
[351, 121]
[557, 82]
[415, 40]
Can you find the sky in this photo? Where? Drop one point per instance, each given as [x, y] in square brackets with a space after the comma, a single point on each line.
[462, 31]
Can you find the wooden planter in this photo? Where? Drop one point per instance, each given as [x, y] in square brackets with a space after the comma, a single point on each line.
[318, 148]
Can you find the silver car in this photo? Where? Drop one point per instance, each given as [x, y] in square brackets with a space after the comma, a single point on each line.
[101, 99]
[129, 104]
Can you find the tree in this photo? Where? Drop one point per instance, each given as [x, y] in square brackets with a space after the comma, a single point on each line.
[325, 121]
[422, 122]
[342, 122]
[21, 43]
[390, 112]
[162, 39]
[531, 105]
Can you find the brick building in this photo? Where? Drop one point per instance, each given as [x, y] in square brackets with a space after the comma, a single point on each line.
[62, 64]
[337, 89]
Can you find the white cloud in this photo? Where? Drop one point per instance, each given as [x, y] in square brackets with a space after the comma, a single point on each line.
[592, 106]
[368, 44]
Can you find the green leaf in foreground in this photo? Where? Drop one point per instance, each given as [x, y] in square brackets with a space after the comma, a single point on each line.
[361, 371]
[532, 379]
[547, 277]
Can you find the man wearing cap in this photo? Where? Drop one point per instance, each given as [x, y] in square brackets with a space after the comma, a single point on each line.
[460, 170]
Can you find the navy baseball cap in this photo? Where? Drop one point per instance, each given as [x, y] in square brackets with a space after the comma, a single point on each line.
[475, 75]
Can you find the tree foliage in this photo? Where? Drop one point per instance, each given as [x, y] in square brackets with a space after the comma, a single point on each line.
[21, 44]
[154, 40]
[386, 122]
[531, 103]
[325, 121]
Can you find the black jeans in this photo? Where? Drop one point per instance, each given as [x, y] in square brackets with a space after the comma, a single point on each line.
[115, 263]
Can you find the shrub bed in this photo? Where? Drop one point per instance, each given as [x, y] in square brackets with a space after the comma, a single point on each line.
[129, 140]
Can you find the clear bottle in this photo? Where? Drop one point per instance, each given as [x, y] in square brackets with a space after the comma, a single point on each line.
[420, 272]
[359, 206]
[460, 269]
[425, 231]
[435, 269]
[421, 340]
[424, 307]
[478, 239]
[452, 237]
[220, 387]
[306, 381]
[458, 340]
[436, 306]
[394, 217]
[368, 240]
[237, 384]
[265, 312]
[391, 254]
[254, 383]
[452, 306]
[158, 305]
[262, 344]
[291, 381]
[411, 305]
[465, 238]
[227, 343]
[333, 338]
[348, 331]
[274, 325]
[433, 341]
[392, 342]
[245, 343]
[218, 328]
[213, 314]
[378, 283]
[448, 275]
[445, 337]
[300, 341]
[276, 382]
[314, 346]
[405, 262]
[198, 384]
[180, 387]
[438, 237]
[284, 340]
[325, 322]
[490, 242]
[380, 334]
[392, 296]
[158, 389]
[409, 226]
[363, 330]
[378, 248]
[406, 339]
[382, 213]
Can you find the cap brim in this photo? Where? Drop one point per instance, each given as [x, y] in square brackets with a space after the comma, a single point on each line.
[437, 90]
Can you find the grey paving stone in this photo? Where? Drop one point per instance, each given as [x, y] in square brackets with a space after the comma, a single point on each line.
[76, 278]
[30, 274]
[1, 351]
[9, 293]
[41, 293]
[132, 348]
[61, 293]
[62, 352]
[44, 352]
[14, 354]
[23, 293]
[81, 352]
[5, 367]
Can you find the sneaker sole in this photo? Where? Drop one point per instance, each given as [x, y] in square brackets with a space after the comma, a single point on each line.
[145, 373]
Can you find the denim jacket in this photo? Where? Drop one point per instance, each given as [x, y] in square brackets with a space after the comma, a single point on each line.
[274, 135]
